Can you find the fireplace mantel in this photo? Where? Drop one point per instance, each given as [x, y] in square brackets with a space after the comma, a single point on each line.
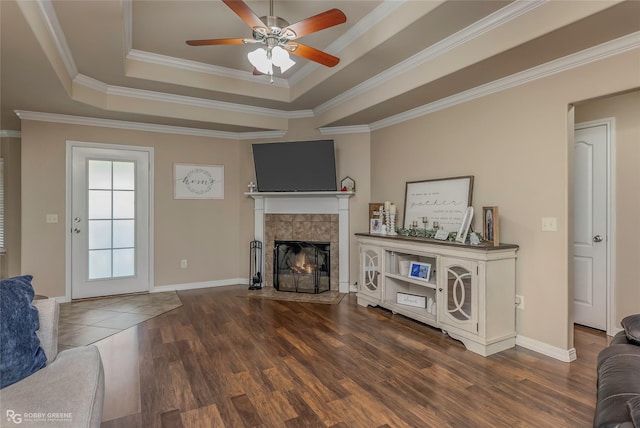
[308, 203]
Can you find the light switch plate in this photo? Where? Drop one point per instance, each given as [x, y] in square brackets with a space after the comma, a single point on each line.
[52, 218]
[549, 224]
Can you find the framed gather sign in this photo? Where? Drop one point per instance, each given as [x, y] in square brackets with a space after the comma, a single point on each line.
[442, 200]
[198, 181]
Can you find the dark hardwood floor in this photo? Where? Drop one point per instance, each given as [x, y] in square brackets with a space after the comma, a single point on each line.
[222, 360]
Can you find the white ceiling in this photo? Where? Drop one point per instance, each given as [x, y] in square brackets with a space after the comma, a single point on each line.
[127, 60]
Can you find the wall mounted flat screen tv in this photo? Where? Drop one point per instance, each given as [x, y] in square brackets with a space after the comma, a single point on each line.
[300, 166]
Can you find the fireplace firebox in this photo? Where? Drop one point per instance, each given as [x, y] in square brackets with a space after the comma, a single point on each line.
[302, 266]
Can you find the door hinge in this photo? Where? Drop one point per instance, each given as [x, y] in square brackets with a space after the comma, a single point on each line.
[477, 270]
[477, 327]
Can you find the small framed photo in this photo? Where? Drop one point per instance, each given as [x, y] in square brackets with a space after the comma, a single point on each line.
[490, 224]
[375, 226]
[348, 184]
[419, 270]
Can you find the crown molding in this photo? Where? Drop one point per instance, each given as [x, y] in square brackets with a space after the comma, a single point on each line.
[146, 127]
[57, 35]
[142, 94]
[342, 130]
[477, 29]
[7, 133]
[596, 53]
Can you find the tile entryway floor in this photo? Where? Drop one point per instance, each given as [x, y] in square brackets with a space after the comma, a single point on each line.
[87, 321]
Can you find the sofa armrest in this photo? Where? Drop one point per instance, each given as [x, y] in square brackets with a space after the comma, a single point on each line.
[48, 313]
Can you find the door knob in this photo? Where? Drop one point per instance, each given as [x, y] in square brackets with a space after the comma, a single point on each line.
[597, 238]
[76, 220]
[76, 230]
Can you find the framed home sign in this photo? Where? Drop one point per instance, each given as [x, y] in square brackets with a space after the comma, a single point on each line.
[198, 181]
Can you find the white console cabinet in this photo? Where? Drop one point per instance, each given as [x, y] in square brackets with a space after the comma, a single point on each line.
[470, 294]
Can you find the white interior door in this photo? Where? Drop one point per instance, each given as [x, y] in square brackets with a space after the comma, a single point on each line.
[590, 226]
[109, 221]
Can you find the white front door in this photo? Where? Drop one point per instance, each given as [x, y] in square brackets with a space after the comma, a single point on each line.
[109, 221]
[590, 226]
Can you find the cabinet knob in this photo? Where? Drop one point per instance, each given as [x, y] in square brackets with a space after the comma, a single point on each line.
[440, 290]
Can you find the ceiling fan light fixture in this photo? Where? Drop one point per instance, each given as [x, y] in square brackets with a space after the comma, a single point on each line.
[280, 58]
[258, 58]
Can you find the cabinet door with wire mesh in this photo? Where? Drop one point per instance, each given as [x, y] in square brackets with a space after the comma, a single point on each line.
[370, 259]
[458, 292]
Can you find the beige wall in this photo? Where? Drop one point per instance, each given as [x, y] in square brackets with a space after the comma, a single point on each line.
[213, 235]
[626, 111]
[352, 159]
[10, 152]
[515, 143]
[205, 232]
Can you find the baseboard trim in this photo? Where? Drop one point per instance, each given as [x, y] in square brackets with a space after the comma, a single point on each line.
[196, 285]
[565, 355]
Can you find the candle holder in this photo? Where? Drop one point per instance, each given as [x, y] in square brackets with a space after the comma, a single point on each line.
[425, 220]
[392, 225]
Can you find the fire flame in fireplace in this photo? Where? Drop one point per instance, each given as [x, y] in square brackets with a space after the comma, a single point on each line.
[301, 264]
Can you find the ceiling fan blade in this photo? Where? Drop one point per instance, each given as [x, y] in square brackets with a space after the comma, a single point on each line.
[313, 54]
[208, 42]
[244, 12]
[316, 23]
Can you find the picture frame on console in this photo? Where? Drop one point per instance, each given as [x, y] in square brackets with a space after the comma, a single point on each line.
[419, 270]
[375, 223]
[442, 200]
[490, 225]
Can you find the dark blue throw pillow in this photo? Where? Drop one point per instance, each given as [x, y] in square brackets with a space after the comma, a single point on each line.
[20, 351]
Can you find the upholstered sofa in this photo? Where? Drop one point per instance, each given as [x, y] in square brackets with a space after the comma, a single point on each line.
[618, 399]
[67, 392]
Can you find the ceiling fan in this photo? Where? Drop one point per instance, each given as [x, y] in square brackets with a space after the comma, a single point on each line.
[278, 36]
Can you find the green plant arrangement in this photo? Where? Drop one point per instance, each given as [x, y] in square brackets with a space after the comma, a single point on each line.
[424, 233]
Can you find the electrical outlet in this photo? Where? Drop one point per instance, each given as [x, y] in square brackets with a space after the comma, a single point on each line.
[183, 264]
[519, 302]
[52, 218]
[549, 224]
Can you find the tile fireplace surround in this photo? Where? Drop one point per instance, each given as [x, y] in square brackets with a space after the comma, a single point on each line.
[314, 216]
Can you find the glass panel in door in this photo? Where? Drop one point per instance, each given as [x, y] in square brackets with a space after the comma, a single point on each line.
[111, 219]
